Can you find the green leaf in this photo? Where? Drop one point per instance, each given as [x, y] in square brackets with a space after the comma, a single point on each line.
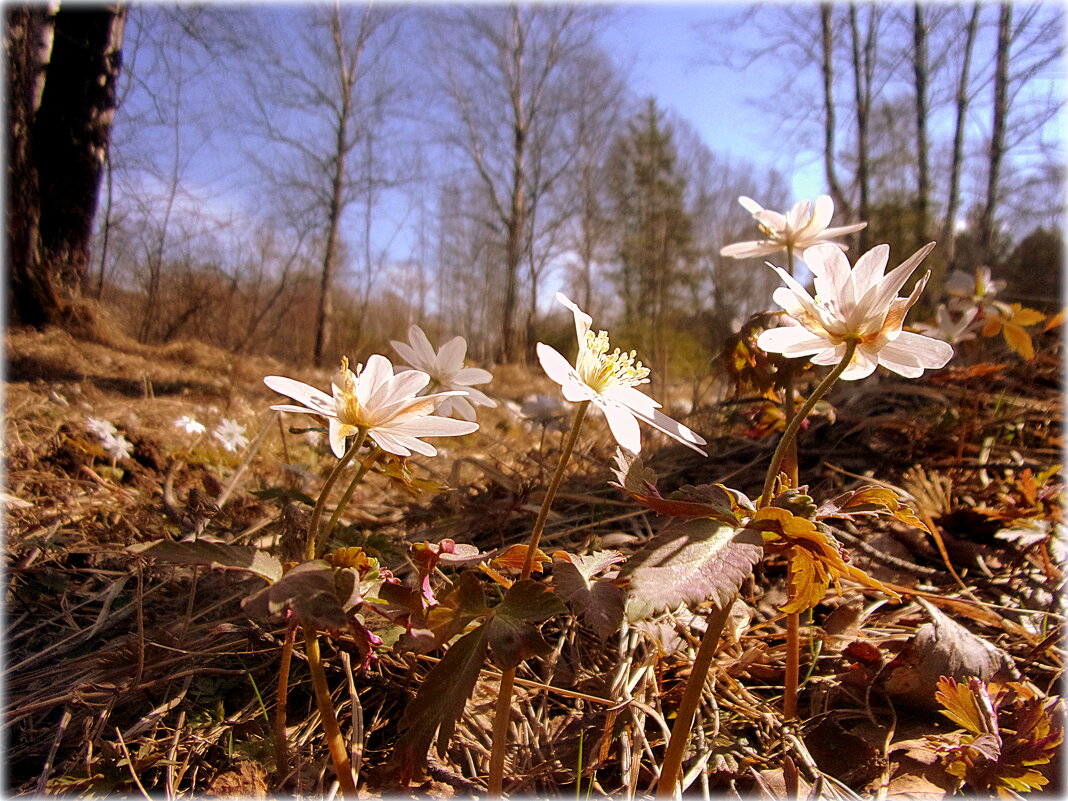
[688, 562]
[439, 703]
[309, 589]
[212, 554]
[599, 603]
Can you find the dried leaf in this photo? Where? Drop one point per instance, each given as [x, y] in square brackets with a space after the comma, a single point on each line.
[706, 501]
[942, 647]
[816, 558]
[599, 603]
[869, 501]
[213, 554]
[688, 562]
[439, 704]
[514, 557]
[1019, 340]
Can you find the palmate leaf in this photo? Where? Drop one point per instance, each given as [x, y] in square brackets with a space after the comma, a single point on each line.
[597, 602]
[869, 501]
[311, 591]
[439, 703]
[213, 554]
[511, 635]
[688, 562]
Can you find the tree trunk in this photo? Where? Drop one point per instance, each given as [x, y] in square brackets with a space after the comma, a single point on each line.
[919, 71]
[863, 61]
[516, 223]
[57, 148]
[827, 65]
[953, 202]
[999, 112]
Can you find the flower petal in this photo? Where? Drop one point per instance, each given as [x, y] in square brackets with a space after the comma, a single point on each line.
[555, 366]
[675, 430]
[916, 351]
[622, 423]
[311, 397]
[467, 376]
[792, 340]
[451, 356]
[748, 250]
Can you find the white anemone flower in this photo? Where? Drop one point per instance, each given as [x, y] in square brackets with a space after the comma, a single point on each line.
[189, 424]
[102, 428]
[447, 372]
[231, 434]
[385, 405]
[608, 380]
[859, 304]
[945, 328]
[803, 226]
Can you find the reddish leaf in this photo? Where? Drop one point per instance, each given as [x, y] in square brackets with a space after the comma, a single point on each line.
[514, 557]
[309, 589]
[688, 562]
[598, 602]
[439, 704]
[511, 636]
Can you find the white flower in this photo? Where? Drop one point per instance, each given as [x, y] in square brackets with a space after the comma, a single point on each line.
[608, 380]
[945, 328]
[858, 304]
[977, 287]
[447, 372]
[102, 428]
[544, 410]
[376, 400]
[231, 434]
[803, 226]
[117, 447]
[190, 425]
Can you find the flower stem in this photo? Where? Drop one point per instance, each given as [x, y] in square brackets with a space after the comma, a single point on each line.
[281, 747]
[341, 504]
[502, 712]
[671, 767]
[795, 425]
[311, 542]
[338, 753]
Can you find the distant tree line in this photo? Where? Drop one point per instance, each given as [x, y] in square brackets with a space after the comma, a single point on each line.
[284, 180]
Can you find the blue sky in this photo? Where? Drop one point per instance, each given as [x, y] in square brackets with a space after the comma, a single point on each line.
[668, 54]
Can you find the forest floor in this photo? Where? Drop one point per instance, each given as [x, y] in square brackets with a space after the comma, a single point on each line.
[124, 675]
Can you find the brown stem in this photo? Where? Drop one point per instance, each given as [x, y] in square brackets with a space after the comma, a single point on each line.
[671, 767]
[793, 660]
[795, 425]
[281, 747]
[338, 753]
[311, 542]
[502, 712]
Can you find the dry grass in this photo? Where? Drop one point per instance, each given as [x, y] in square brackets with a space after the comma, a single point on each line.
[126, 676]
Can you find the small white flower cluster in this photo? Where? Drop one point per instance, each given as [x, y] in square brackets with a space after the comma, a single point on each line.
[229, 433]
[115, 444]
[969, 295]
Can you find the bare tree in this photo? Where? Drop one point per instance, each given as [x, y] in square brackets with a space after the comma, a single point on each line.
[829, 124]
[319, 111]
[919, 71]
[504, 71]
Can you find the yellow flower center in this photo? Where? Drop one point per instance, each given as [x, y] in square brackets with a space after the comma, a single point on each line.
[349, 410]
[600, 369]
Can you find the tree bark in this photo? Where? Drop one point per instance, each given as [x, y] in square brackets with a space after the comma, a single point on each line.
[949, 234]
[58, 147]
[919, 71]
[829, 123]
[999, 112]
[863, 64]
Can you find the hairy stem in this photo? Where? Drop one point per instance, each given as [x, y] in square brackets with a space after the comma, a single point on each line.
[671, 767]
[281, 746]
[338, 753]
[502, 712]
[312, 541]
[324, 537]
[795, 425]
